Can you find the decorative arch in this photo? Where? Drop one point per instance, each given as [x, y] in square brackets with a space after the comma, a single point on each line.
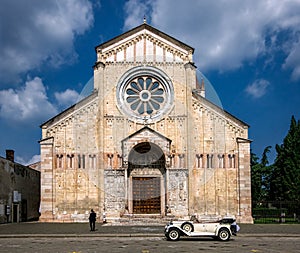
[146, 155]
[146, 173]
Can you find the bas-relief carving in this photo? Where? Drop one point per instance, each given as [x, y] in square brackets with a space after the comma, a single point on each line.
[145, 172]
[177, 191]
[114, 188]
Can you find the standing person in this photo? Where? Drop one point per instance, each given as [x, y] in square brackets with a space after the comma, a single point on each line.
[92, 220]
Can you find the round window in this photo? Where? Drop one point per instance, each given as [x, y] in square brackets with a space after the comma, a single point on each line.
[145, 94]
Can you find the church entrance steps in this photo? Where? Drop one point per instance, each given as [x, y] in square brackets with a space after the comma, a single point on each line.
[138, 219]
[153, 219]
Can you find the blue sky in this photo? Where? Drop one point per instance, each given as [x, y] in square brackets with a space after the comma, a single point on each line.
[249, 50]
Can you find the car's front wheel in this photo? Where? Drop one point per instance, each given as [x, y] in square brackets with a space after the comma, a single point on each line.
[224, 234]
[173, 234]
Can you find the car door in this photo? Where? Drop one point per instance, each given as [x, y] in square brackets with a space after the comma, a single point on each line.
[199, 227]
[210, 227]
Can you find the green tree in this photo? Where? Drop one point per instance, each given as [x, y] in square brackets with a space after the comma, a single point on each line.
[255, 178]
[260, 176]
[285, 178]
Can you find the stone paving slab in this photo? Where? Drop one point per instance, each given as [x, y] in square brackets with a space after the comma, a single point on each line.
[38, 229]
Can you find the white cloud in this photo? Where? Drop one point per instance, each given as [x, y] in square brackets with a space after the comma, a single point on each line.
[225, 33]
[34, 159]
[67, 97]
[136, 10]
[38, 32]
[258, 88]
[293, 61]
[28, 103]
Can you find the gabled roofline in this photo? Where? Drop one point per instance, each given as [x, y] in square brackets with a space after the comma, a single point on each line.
[45, 139]
[19, 164]
[70, 109]
[149, 28]
[219, 109]
[243, 140]
[146, 128]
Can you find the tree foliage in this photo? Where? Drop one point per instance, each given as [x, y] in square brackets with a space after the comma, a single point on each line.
[281, 180]
[260, 176]
[285, 178]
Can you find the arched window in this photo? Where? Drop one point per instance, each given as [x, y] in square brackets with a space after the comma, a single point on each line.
[210, 161]
[199, 160]
[221, 161]
[231, 161]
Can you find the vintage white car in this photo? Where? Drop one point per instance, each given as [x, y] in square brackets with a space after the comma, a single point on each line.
[222, 229]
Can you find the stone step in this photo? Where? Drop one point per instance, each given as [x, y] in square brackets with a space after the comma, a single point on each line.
[140, 219]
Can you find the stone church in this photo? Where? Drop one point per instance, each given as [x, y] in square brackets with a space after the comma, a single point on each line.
[146, 143]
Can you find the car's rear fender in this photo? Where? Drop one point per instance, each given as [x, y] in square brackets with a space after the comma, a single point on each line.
[227, 227]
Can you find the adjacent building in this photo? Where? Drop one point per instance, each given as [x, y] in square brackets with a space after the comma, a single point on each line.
[147, 142]
[19, 191]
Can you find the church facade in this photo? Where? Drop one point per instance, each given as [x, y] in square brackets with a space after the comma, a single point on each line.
[146, 142]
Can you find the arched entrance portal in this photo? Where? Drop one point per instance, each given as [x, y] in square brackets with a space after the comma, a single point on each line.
[146, 174]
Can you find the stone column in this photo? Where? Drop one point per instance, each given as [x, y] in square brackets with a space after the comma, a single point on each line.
[244, 182]
[190, 72]
[47, 184]
[99, 84]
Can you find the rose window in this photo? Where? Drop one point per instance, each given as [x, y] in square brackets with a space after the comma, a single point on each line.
[145, 95]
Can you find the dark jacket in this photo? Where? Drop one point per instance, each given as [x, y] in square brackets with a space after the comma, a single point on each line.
[92, 216]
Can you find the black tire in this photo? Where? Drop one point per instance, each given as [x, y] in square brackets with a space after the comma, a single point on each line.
[224, 234]
[187, 227]
[173, 234]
